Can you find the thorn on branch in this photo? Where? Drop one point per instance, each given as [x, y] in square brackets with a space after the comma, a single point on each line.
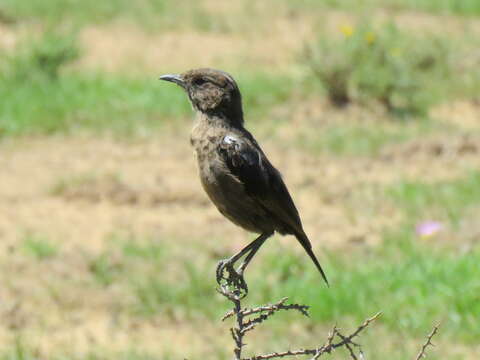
[244, 325]
[335, 339]
[422, 354]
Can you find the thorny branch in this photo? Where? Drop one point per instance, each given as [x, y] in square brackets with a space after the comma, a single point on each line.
[430, 336]
[280, 305]
[245, 324]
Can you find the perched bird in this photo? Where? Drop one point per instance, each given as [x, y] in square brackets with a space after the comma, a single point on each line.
[234, 171]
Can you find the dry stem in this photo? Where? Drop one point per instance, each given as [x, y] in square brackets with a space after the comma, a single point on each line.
[243, 324]
[422, 352]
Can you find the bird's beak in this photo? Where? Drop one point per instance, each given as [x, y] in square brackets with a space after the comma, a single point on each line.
[177, 79]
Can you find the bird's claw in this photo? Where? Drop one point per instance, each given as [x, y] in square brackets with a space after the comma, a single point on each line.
[229, 278]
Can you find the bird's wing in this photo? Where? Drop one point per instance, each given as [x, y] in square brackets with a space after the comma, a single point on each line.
[263, 183]
[246, 161]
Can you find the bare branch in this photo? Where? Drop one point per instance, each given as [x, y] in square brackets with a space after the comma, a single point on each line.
[315, 352]
[347, 345]
[271, 308]
[335, 339]
[364, 325]
[280, 305]
[422, 352]
[327, 348]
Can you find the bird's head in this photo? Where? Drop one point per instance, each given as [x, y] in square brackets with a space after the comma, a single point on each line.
[212, 92]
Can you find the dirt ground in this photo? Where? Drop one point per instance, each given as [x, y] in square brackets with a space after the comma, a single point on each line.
[57, 185]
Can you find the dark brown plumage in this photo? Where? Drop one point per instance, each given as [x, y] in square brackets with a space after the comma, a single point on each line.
[234, 171]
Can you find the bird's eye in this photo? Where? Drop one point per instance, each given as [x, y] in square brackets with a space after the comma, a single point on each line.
[199, 81]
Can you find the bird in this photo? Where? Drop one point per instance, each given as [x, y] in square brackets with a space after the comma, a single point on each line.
[234, 171]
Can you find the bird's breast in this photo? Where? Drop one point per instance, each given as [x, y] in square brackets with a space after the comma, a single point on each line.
[223, 188]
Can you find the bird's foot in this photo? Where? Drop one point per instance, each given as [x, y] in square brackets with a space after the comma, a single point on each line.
[231, 280]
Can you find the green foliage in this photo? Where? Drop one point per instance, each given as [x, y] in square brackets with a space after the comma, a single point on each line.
[149, 14]
[55, 11]
[158, 285]
[189, 295]
[39, 247]
[261, 92]
[40, 59]
[411, 284]
[39, 96]
[461, 7]
[104, 270]
[406, 74]
[19, 351]
[23, 351]
[443, 200]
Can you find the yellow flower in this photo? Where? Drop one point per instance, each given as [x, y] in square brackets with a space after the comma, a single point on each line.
[346, 30]
[370, 37]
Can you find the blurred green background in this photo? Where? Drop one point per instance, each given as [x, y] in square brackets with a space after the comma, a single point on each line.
[369, 108]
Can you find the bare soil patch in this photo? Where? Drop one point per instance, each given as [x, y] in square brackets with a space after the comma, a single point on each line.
[117, 47]
[81, 190]
[462, 113]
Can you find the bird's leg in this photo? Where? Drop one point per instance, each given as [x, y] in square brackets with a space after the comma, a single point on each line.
[235, 278]
[257, 244]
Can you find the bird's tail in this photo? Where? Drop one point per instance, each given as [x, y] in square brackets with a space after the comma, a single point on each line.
[303, 239]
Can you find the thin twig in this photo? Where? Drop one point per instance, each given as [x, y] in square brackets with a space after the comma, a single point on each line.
[250, 325]
[364, 325]
[327, 345]
[238, 331]
[347, 345]
[422, 352]
[279, 305]
[315, 352]
[327, 348]
[244, 325]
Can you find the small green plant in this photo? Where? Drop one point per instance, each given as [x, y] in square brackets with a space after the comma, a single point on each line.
[39, 247]
[385, 65]
[103, 269]
[42, 58]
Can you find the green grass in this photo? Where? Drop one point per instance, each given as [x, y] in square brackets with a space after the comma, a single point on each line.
[447, 200]
[458, 7]
[159, 285]
[117, 104]
[461, 7]
[82, 11]
[413, 285]
[87, 101]
[39, 247]
[172, 14]
[102, 102]
[367, 139]
[41, 96]
[150, 14]
[21, 350]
